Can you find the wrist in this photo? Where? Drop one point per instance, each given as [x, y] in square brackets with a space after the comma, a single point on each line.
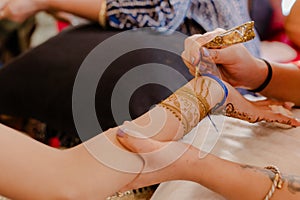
[267, 80]
[260, 74]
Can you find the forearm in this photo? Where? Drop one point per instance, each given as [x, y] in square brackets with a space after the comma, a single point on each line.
[284, 84]
[29, 169]
[87, 9]
[233, 180]
[162, 123]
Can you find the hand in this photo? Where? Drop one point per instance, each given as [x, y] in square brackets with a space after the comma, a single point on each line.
[237, 66]
[162, 160]
[256, 111]
[20, 10]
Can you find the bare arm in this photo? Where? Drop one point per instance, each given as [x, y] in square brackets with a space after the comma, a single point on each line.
[88, 171]
[232, 180]
[31, 170]
[284, 84]
[19, 10]
[88, 8]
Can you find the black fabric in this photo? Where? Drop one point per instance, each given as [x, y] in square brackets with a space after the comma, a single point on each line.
[261, 13]
[39, 83]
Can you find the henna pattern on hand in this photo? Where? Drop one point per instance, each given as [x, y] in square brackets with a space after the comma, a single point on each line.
[231, 111]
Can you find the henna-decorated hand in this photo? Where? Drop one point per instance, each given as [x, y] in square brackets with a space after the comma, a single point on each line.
[239, 107]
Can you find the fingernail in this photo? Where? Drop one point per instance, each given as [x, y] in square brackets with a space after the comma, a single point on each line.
[120, 133]
[205, 52]
[192, 60]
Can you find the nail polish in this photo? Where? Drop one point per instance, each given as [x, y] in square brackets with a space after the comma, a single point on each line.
[205, 52]
[192, 60]
[120, 133]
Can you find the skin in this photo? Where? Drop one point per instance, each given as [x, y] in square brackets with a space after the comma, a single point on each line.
[20, 10]
[67, 173]
[240, 68]
[35, 165]
[231, 180]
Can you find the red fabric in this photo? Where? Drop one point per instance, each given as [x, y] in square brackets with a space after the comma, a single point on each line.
[61, 25]
[54, 142]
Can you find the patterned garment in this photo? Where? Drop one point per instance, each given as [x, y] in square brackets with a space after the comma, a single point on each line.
[167, 15]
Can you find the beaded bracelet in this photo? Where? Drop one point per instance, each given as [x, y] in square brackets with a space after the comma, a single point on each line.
[277, 182]
[267, 81]
[102, 14]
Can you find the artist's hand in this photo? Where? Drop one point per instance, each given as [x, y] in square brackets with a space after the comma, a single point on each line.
[239, 107]
[237, 66]
[20, 10]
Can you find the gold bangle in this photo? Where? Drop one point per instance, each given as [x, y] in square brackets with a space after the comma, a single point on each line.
[102, 14]
[277, 181]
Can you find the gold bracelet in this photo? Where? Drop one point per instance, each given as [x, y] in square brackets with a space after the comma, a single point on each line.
[102, 14]
[277, 182]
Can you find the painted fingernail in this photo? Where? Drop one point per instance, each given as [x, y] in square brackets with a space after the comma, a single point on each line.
[205, 52]
[120, 133]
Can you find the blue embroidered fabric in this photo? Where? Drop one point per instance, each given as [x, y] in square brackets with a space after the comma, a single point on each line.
[167, 15]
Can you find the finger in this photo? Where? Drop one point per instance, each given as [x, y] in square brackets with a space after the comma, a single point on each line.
[193, 43]
[225, 55]
[188, 64]
[281, 119]
[191, 50]
[138, 144]
[192, 72]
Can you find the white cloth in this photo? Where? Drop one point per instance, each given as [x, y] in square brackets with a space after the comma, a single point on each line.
[239, 141]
